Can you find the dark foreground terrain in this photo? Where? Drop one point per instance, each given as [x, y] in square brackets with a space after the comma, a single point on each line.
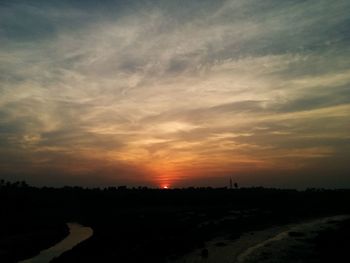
[153, 225]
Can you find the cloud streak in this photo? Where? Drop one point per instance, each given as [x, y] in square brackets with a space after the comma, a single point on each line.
[152, 92]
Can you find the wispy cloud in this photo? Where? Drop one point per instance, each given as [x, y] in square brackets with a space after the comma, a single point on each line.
[150, 92]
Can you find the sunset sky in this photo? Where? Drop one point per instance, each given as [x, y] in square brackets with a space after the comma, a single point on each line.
[175, 93]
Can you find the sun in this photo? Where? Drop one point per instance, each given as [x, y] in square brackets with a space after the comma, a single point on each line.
[165, 186]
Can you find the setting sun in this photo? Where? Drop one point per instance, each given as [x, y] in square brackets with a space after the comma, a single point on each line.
[190, 95]
[174, 131]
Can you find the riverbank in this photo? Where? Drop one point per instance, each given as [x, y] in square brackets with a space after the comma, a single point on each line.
[26, 240]
[301, 243]
[153, 225]
[77, 234]
[288, 243]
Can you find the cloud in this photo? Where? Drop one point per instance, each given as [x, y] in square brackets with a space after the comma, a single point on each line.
[170, 92]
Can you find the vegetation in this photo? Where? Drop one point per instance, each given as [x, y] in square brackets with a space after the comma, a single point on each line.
[149, 225]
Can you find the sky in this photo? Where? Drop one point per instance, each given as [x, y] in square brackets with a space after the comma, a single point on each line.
[175, 93]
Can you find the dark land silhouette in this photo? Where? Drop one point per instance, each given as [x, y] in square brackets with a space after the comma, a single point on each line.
[156, 225]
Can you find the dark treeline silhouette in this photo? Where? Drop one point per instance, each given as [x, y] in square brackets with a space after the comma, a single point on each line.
[144, 224]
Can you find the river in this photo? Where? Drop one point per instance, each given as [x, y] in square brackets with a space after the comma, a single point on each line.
[77, 234]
